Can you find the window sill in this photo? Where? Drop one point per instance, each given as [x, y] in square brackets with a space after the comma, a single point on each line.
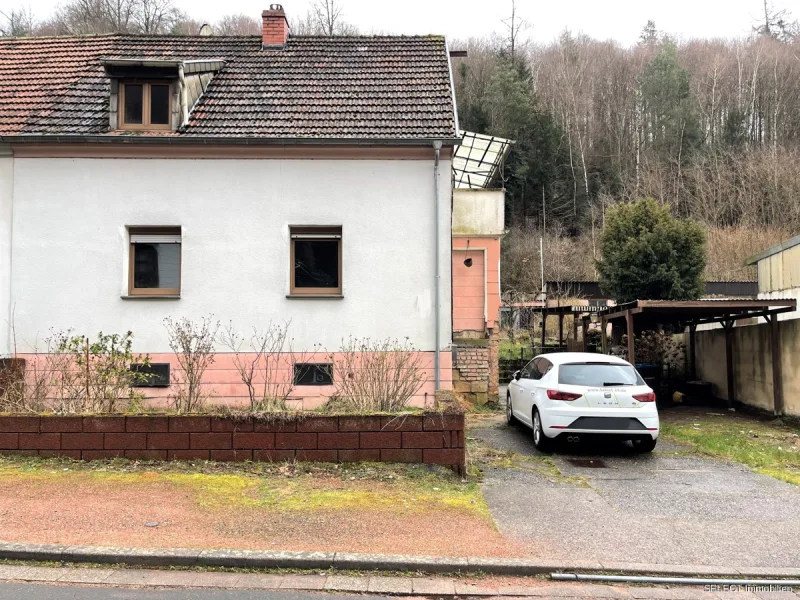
[315, 296]
[151, 297]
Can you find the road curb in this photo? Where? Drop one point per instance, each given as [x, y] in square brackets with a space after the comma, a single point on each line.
[255, 559]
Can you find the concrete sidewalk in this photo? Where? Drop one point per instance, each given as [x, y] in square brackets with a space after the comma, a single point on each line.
[368, 584]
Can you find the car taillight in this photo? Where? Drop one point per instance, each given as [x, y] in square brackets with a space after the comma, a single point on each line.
[566, 396]
[650, 397]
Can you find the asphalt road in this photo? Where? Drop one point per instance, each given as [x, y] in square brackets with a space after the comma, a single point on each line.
[21, 591]
[671, 507]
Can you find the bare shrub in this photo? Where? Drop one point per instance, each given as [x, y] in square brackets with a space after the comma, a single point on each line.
[193, 345]
[377, 375]
[264, 362]
[78, 375]
[101, 371]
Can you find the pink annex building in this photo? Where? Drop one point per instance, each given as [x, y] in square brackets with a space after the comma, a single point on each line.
[478, 227]
[255, 179]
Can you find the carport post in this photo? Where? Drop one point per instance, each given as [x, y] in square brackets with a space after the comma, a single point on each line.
[728, 325]
[575, 328]
[631, 348]
[777, 366]
[692, 352]
[560, 329]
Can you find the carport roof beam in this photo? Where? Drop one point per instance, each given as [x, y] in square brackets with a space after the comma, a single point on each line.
[702, 312]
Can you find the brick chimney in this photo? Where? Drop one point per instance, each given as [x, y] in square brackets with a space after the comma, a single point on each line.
[275, 28]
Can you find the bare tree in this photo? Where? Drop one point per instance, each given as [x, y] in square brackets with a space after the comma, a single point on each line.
[778, 24]
[328, 15]
[120, 14]
[323, 18]
[17, 22]
[515, 26]
[156, 16]
[237, 24]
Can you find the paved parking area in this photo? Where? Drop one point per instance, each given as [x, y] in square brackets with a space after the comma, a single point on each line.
[670, 507]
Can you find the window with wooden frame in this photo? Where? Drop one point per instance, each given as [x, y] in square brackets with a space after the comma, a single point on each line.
[155, 261]
[145, 105]
[316, 261]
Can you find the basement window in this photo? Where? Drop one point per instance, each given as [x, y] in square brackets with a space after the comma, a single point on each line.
[152, 375]
[316, 261]
[313, 374]
[155, 261]
[145, 105]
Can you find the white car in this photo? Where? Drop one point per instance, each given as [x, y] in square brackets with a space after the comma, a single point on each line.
[574, 395]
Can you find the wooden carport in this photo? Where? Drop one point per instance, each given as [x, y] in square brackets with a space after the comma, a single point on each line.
[642, 315]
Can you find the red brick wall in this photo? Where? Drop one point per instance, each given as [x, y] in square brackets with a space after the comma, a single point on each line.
[430, 438]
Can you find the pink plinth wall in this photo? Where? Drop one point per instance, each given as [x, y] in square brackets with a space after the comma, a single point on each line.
[224, 385]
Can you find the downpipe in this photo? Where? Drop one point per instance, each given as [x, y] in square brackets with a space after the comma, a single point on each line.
[437, 147]
[673, 580]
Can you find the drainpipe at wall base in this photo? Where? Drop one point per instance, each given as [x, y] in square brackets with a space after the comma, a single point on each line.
[437, 146]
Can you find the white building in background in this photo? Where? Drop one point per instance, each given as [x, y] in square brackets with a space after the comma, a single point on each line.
[779, 273]
[256, 179]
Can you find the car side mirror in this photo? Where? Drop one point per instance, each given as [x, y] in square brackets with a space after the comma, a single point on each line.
[517, 375]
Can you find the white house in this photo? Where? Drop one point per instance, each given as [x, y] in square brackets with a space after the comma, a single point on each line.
[256, 179]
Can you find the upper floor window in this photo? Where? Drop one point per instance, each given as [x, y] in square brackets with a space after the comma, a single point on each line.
[145, 105]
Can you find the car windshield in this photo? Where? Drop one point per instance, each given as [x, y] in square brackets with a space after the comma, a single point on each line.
[598, 375]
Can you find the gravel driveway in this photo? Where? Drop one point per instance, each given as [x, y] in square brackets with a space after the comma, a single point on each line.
[671, 507]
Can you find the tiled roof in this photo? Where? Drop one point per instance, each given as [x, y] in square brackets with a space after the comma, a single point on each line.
[317, 87]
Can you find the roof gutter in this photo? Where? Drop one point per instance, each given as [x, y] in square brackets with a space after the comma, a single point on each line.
[232, 141]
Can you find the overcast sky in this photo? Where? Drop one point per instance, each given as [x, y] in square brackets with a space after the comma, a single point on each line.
[621, 20]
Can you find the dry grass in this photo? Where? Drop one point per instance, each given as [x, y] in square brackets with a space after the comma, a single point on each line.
[769, 448]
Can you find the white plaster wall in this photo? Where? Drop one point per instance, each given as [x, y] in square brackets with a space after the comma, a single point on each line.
[6, 204]
[478, 212]
[69, 254]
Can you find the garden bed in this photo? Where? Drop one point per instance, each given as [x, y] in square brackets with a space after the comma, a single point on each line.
[432, 438]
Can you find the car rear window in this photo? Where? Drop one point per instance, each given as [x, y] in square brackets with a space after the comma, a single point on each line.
[598, 375]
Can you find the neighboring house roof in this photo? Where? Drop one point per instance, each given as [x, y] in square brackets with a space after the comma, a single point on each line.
[478, 160]
[316, 87]
[790, 243]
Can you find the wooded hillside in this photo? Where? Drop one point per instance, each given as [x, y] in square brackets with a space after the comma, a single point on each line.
[710, 127]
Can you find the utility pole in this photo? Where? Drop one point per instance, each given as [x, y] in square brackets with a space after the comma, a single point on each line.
[541, 244]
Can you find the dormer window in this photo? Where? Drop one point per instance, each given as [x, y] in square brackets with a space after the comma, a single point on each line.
[145, 105]
[155, 94]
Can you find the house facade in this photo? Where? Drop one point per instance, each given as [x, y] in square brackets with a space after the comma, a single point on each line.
[253, 180]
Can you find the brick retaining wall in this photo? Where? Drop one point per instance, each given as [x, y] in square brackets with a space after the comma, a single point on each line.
[431, 438]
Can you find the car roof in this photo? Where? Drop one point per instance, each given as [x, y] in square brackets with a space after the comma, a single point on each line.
[560, 358]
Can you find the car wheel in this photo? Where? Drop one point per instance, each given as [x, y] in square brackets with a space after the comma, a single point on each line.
[510, 418]
[540, 440]
[645, 445]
